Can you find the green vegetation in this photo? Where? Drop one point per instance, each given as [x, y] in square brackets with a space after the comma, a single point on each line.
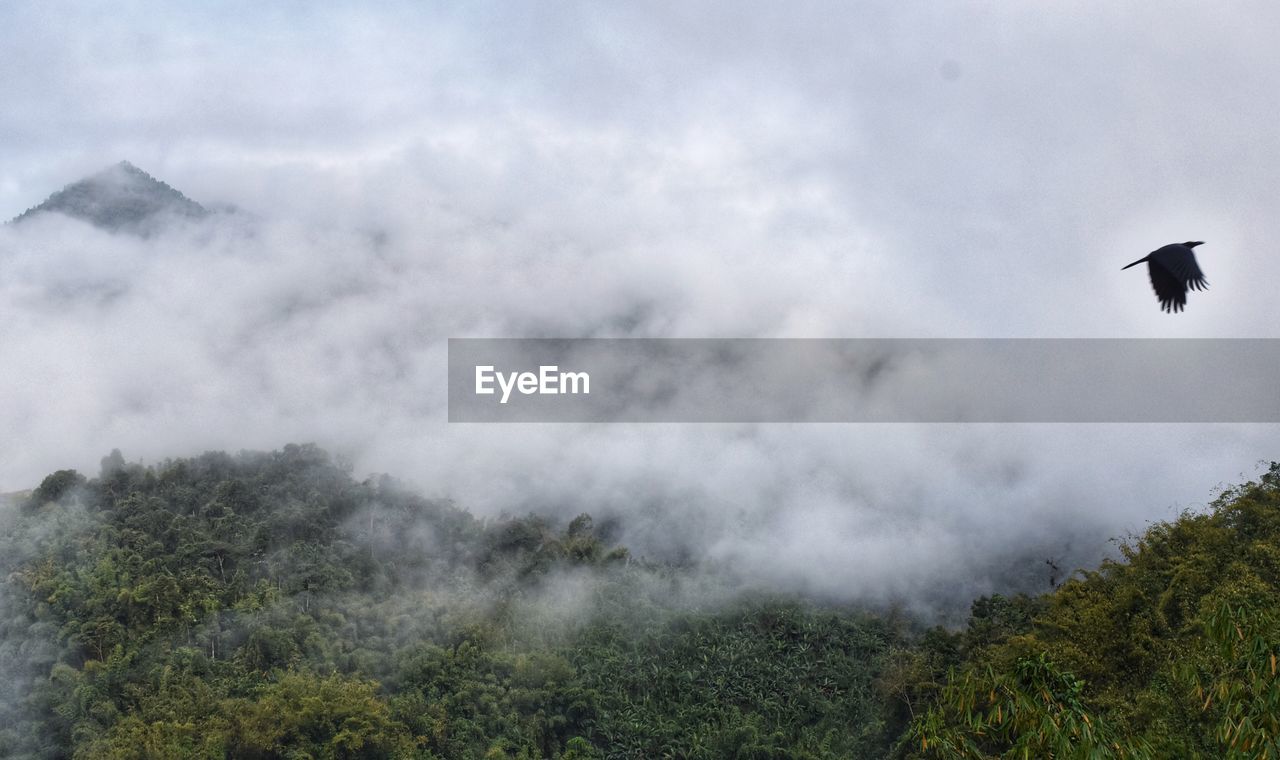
[1169, 652]
[270, 606]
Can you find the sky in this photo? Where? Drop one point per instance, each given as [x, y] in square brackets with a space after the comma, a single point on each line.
[412, 172]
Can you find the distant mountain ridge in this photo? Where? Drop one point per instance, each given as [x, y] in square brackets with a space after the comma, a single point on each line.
[121, 197]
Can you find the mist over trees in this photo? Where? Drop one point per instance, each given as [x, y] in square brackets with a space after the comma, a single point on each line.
[330, 325]
[121, 197]
[353, 184]
[263, 605]
[268, 605]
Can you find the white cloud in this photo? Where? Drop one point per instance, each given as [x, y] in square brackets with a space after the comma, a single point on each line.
[821, 170]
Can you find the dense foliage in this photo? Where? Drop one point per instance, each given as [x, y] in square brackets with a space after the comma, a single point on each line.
[270, 606]
[1169, 652]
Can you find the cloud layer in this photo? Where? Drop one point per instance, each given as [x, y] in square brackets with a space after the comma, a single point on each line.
[412, 175]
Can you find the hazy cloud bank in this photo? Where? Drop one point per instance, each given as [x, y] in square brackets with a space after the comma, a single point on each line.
[681, 172]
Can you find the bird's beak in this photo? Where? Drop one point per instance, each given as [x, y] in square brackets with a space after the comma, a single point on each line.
[1193, 245]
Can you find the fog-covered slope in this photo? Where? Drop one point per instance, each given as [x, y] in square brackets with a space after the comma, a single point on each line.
[120, 197]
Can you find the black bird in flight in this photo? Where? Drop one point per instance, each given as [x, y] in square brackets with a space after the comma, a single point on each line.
[1173, 270]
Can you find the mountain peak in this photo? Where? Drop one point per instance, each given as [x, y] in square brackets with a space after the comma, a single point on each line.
[120, 197]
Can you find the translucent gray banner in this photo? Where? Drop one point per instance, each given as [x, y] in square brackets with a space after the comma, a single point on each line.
[857, 380]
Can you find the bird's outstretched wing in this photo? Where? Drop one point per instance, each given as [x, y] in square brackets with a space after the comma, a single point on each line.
[1173, 270]
[1181, 262]
[1170, 289]
[1194, 277]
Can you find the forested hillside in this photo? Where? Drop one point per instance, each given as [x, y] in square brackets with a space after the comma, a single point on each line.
[271, 606]
[268, 605]
[1170, 652]
[120, 197]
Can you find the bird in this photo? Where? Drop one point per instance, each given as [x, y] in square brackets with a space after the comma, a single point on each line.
[1173, 270]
